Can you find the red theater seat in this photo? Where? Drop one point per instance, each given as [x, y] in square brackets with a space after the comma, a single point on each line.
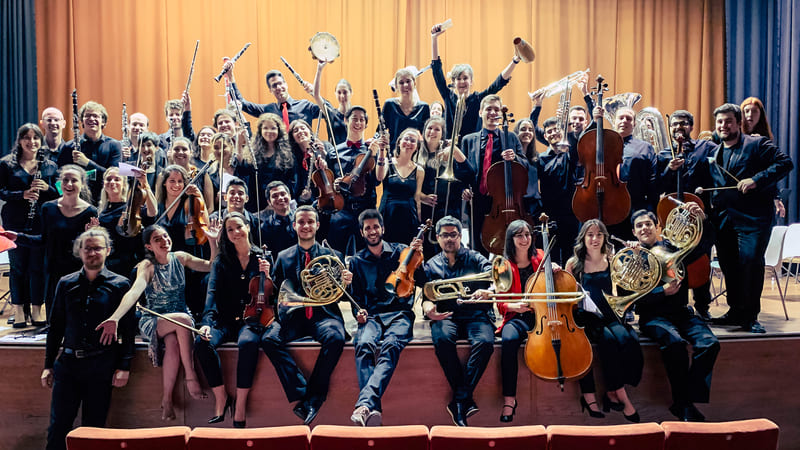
[165, 438]
[532, 437]
[640, 436]
[754, 434]
[294, 437]
[335, 437]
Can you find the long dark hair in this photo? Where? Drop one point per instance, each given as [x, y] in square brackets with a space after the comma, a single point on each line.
[510, 251]
[284, 160]
[580, 251]
[227, 250]
[528, 149]
[146, 235]
[21, 132]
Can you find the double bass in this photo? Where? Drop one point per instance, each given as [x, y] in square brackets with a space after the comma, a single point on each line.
[557, 349]
[507, 182]
[699, 270]
[601, 195]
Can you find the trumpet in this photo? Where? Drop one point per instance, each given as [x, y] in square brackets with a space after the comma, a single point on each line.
[455, 288]
[559, 86]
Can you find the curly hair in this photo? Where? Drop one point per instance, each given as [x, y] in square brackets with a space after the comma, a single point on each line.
[284, 159]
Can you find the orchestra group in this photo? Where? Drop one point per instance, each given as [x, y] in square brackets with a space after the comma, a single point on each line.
[198, 237]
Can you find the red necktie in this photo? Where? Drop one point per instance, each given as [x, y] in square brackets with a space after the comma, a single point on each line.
[285, 113]
[487, 161]
[309, 311]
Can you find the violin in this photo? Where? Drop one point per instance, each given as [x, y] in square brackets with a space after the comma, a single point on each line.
[557, 349]
[507, 182]
[196, 220]
[601, 195]
[354, 183]
[699, 270]
[401, 281]
[328, 199]
[130, 222]
[260, 288]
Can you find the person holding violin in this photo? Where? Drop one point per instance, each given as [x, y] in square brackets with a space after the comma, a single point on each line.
[484, 148]
[277, 218]
[323, 323]
[743, 216]
[617, 343]
[126, 250]
[274, 156]
[402, 188]
[181, 154]
[160, 277]
[237, 267]
[451, 321]
[385, 324]
[301, 140]
[666, 318]
[686, 163]
[352, 162]
[518, 317]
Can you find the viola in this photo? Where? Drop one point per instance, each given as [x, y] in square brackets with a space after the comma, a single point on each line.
[557, 349]
[699, 270]
[328, 199]
[260, 288]
[507, 182]
[354, 183]
[601, 195]
[130, 222]
[401, 281]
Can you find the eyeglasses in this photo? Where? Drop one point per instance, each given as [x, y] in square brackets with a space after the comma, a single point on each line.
[680, 124]
[94, 249]
[453, 235]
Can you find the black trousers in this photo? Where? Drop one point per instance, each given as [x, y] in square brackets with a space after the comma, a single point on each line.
[514, 332]
[740, 249]
[207, 356]
[479, 332]
[79, 383]
[326, 330]
[690, 380]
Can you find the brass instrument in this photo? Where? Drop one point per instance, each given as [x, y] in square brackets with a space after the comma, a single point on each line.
[641, 270]
[454, 288]
[523, 50]
[650, 127]
[324, 47]
[321, 282]
[612, 104]
[557, 87]
[562, 115]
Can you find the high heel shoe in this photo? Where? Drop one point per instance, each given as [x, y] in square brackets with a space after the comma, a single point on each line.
[633, 417]
[509, 418]
[609, 405]
[592, 413]
[221, 417]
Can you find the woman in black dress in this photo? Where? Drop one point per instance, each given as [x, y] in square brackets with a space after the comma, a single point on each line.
[274, 158]
[617, 344]
[402, 189]
[406, 110]
[23, 194]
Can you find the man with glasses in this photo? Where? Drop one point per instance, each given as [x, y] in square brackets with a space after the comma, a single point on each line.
[687, 163]
[86, 370]
[451, 321]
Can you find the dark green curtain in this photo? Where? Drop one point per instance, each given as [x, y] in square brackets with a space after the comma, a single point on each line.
[18, 61]
[763, 45]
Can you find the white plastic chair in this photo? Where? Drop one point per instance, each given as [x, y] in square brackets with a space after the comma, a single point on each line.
[773, 258]
[791, 250]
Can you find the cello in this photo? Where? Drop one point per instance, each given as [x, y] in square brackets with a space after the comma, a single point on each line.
[507, 182]
[261, 287]
[401, 281]
[699, 270]
[601, 195]
[557, 349]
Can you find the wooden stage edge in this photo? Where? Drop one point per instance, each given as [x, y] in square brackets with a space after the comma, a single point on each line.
[753, 377]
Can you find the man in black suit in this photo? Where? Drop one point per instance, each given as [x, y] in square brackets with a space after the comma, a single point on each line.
[743, 216]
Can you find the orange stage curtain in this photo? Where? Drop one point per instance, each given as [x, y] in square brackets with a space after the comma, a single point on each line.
[138, 52]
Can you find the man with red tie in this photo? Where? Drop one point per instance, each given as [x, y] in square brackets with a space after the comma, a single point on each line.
[484, 148]
[285, 106]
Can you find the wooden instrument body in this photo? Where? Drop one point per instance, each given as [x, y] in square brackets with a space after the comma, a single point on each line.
[507, 182]
[196, 220]
[601, 195]
[328, 199]
[258, 309]
[354, 183]
[401, 281]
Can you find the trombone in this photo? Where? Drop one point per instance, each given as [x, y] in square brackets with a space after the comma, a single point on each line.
[455, 288]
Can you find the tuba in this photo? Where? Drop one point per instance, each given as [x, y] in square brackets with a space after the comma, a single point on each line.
[612, 104]
[650, 127]
[455, 288]
[641, 270]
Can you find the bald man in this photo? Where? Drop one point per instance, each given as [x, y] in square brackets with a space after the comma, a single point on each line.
[52, 124]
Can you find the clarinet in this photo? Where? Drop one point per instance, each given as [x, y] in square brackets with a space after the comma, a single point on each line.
[76, 130]
[34, 203]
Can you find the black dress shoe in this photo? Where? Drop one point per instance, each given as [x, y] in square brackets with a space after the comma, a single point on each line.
[300, 410]
[471, 408]
[457, 413]
[633, 417]
[313, 410]
[608, 405]
[726, 319]
[687, 413]
[221, 417]
[754, 327]
[509, 418]
[592, 413]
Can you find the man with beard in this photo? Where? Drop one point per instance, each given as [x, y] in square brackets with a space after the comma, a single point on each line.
[385, 324]
[743, 216]
[86, 370]
[451, 321]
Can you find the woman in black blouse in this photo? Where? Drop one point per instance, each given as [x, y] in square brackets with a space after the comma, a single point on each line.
[406, 110]
[23, 194]
[237, 263]
[274, 157]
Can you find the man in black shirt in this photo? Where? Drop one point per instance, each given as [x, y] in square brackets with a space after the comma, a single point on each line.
[385, 324]
[277, 219]
[86, 369]
[52, 125]
[178, 114]
[451, 321]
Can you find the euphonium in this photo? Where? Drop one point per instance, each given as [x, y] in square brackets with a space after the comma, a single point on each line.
[454, 288]
[557, 87]
[641, 270]
[650, 127]
[612, 104]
